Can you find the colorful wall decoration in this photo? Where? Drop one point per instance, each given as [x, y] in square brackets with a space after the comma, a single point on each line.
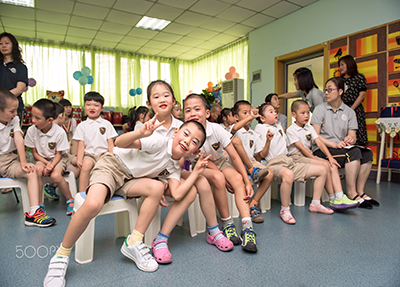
[394, 64]
[394, 87]
[367, 45]
[370, 102]
[370, 70]
[335, 54]
[394, 40]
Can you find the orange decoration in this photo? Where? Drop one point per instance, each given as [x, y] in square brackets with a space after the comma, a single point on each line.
[232, 70]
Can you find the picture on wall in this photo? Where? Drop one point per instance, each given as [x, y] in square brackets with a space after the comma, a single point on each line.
[335, 54]
[394, 40]
[394, 87]
[370, 70]
[394, 64]
[367, 45]
[370, 101]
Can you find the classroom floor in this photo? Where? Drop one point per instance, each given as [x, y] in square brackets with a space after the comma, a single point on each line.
[355, 248]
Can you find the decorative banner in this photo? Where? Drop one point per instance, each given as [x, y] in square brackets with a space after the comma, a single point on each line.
[370, 102]
[371, 129]
[394, 87]
[367, 45]
[335, 54]
[374, 150]
[370, 70]
[394, 40]
[394, 64]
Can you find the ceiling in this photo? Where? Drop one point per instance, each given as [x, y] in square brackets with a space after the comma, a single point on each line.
[197, 26]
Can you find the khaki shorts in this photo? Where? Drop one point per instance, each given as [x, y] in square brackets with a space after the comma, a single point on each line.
[298, 157]
[222, 163]
[94, 157]
[9, 164]
[256, 163]
[63, 163]
[283, 161]
[110, 172]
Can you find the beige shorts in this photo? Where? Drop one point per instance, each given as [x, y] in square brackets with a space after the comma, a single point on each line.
[256, 163]
[63, 163]
[298, 157]
[94, 157]
[110, 172]
[222, 163]
[9, 164]
[283, 161]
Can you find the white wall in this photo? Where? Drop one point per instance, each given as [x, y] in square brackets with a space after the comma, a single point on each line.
[319, 22]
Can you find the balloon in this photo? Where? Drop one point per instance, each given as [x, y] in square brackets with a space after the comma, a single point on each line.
[83, 80]
[77, 75]
[210, 84]
[139, 91]
[190, 92]
[31, 82]
[235, 76]
[210, 89]
[90, 80]
[232, 70]
[85, 71]
[132, 92]
[228, 76]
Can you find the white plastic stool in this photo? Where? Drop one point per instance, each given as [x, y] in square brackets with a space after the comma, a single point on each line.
[6, 182]
[265, 201]
[126, 215]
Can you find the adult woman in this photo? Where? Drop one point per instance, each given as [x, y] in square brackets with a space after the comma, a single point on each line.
[354, 94]
[336, 125]
[13, 72]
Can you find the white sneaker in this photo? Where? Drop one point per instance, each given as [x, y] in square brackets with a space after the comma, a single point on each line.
[55, 276]
[140, 254]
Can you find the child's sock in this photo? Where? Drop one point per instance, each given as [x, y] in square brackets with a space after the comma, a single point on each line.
[63, 251]
[253, 202]
[315, 202]
[161, 236]
[228, 220]
[33, 209]
[136, 236]
[332, 198]
[247, 223]
[285, 208]
[339, 194]
[214, 230]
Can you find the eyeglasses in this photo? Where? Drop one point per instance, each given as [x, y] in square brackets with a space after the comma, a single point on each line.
[329, 90]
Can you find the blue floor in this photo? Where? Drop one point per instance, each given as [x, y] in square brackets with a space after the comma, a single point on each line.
[355, 248]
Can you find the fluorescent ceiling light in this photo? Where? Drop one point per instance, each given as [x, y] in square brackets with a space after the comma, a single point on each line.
[26, 3]
[152, 23]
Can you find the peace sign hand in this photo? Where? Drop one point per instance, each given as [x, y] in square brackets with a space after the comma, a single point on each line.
[149, 127]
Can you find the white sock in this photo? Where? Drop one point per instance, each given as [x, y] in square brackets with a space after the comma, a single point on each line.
[339, 194]
[332, 198]
[315, 202]
[33, 209]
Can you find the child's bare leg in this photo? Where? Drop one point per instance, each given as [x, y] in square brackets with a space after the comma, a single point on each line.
[84, 178]
[74, 169]
[39, 172]
[217, 181]
[287, 177]
[33, 186]
[235, 179]
[329, 185]
[262, 188]
[237, 143]
[56, 176]
[320, 173]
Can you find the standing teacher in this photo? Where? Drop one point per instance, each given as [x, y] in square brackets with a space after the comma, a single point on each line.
[356, 88]
[13, 72]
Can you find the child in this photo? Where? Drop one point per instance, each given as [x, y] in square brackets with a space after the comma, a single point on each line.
[49, 146]
[336, 124]
[274, 101]
[136, 119]
[10, 140]
[300, 138]
[306, 89]
[283, 167]
[226, 119]
[177, 111]
[247, 140]
[160, 98]
[196, 107]
[69, 124]
[129, 172]
[95, 136]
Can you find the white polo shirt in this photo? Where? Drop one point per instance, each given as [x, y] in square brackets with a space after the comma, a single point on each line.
[7, 143]
[154, 160]
[47, 144]
[306, 136]
[228, 129]
[168, 132]
[216, 141]
[278, 143]
[95, 133]
[251, 141]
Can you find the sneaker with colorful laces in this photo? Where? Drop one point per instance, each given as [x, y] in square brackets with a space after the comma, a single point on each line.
[39, 218]
[70, 206]
[140, 254]
[287, 217]
[258, 174]
[230, 233]
[55, 276]
[50, 191]
[320, 209]
[248, 237]
[256, 215]
[343, 203]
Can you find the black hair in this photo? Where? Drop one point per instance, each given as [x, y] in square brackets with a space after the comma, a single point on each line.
[204, 100]
[47, 107]
[305, 79]
[339, 83]
[134, 115]
[351, 65]
[161, 82]
[236, 107]
[94, 96]
[59, 109]
[4, 96]
[200, 127]
[224, 114]
[296, 105]
[268, 98]
[16, 49]
[261, 109]
[66, 103]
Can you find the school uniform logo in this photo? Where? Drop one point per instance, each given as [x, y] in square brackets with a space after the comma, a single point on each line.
[12, 133]
[52, 145]
[281, 132]
[216, 146]
[308, 137]
[102, 130]
[251, 143]
[164, 173]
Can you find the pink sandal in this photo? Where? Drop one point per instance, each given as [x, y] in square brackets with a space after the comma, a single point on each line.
[161, 255]
[223, 244]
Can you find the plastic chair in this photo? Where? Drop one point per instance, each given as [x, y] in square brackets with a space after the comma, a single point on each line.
[126, 215]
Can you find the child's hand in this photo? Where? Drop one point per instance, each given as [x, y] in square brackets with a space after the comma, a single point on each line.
[270, 135]
[254, 113]
[201, 163]
[162, 202]
[249, 193]
[149, 127]
[333, 162]
[28, 167]
[229, 187]
[79, 163]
